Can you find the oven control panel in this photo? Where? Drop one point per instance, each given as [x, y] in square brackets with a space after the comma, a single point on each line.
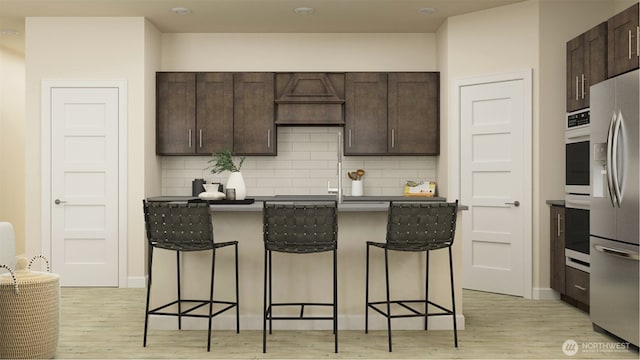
[578, 119]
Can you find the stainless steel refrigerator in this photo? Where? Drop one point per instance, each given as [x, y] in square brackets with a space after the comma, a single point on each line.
[614, 209]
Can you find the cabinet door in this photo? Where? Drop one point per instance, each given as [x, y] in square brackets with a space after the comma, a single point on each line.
[586, 65]
[365, 114]
[414, 113]
[215, 112]
[575, 73]
[623, 41]
[175, 113]
[595, 59]
[254, 126]
[557, 249]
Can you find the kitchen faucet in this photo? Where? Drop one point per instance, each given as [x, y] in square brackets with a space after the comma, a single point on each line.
[338, 190]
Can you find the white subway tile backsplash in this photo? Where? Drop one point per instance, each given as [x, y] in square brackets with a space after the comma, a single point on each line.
[306, 161]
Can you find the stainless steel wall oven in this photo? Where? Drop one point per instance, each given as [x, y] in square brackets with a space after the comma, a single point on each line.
[577, 165]
[577, 189]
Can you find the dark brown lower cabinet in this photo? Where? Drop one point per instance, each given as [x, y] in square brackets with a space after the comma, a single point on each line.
[571, 283]
[577, 286]
[557, 260]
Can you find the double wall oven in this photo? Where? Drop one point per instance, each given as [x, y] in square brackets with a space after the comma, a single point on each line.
[577, 189]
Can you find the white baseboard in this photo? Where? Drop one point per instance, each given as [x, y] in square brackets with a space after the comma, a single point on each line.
[345, 322]
[136, 281]
[545, 294]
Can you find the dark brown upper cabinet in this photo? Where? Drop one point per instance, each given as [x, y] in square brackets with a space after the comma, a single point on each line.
[254, 130]
[413, 110]
[624, 42]
[586, 65]
[365, 131]
[214, 120]
[194, 113]
[175, 113]
[309, 98]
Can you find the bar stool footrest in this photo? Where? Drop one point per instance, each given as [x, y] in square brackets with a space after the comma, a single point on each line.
[415, 313]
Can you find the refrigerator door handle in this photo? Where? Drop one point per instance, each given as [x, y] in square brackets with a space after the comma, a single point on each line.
[609, 160]
[614, 159]
[618, 253]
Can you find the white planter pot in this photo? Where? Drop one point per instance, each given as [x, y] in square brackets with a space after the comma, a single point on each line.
[236, 181]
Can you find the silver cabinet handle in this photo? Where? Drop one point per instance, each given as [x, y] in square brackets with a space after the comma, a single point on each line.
[269, 138]
[583, 86]
[349, 137]
[558, 227]
[629, 44]
[515, 203]
[189, 137]
[581, 288]
[393, 138]
[638, 41]
[58, 201]
[577, 88]
[200, 138]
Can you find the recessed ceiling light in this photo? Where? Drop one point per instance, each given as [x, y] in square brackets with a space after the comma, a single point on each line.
[426, 10]
[181, 10]
[303, 10]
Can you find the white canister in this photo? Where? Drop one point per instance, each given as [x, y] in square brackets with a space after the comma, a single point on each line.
[357, 188]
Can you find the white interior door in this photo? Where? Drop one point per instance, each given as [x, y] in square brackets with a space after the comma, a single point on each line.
[495, 183]
[84, 185]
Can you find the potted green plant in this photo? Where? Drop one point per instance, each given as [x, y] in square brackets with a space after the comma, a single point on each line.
[223, 161]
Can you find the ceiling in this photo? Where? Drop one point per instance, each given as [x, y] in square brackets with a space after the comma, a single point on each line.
[249, 16]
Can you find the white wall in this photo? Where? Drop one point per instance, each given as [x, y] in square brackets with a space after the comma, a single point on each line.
[12, 152]
[298, 52]
[90, 49]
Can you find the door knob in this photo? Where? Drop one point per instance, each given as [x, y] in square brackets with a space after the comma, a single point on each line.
[515, 203]
[58, 201]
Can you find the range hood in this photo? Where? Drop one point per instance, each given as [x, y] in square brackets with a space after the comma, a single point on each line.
[309, 99]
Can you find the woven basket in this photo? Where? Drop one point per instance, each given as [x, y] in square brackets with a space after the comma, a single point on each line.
[29, 313]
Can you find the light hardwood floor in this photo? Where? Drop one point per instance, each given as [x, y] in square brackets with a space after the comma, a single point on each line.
[100, 323]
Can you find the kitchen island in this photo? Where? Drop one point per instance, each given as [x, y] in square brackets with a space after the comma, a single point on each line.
[307, 277]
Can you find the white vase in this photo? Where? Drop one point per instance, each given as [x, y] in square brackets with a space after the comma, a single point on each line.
[236, 181]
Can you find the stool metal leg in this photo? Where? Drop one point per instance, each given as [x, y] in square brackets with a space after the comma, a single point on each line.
[386, 271]
[366, 301]
[270, 293]
[426, 292]
[146, 314]
[237, 294]
[264, 314]
[335, 299]
[179, 297]
[213, 271]
[453, 301]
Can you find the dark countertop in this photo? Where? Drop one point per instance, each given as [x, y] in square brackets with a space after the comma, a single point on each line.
[555, 202]
[311, 198]
[349, 203]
